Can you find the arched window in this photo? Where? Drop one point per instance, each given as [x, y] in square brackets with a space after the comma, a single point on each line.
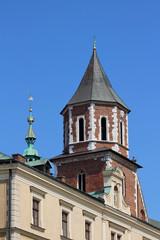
[81, 129]
[66, 135]
[115, 196]
[81, 181]
[103, 128]
[142, 215]
[121, 133]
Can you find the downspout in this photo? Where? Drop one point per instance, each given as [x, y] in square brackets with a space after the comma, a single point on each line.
[9, 204]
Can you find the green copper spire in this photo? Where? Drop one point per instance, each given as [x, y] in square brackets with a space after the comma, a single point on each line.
[30, 138]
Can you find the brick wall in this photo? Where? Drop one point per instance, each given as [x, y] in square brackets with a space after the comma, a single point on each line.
[94, 178]
[141, 207]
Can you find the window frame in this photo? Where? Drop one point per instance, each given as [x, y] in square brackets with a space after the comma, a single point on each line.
[100, 128]
[87, 230]
[64, 222]
[81, 174]
[89, 218]
[66, 134]
[67, 208]
[37, 195]
[78, 128]
[121, 133]
[34, 211]
[117, 230]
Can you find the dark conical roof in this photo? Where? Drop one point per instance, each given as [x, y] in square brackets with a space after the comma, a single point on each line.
[95, 86]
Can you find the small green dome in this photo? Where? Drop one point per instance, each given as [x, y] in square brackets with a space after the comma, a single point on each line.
[30, 152]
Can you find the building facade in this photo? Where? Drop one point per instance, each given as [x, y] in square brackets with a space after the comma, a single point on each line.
[95, 193]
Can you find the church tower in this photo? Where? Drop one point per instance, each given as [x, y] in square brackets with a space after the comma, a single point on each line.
[95, 157]
[95, 116]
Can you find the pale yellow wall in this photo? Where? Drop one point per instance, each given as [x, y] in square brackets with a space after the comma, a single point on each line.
[3, 202]
[136, 236]
[52, 213]
[77, 222]
[24, 206]
[25, 238]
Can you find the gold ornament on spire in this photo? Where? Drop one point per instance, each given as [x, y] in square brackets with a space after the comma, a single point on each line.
[94, 43]
[30, 99]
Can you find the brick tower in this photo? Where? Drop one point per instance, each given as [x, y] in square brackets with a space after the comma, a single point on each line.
[95, 116]
[95, 158]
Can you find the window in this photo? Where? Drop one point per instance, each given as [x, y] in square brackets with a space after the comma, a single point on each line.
[115, 236]
[112, 236]
[121, 133]
[103, 128]
[37, 202]
[117, 231]
[66, 135]
[81, 181]
[89, 219]
[35, 212]
[87, 231]
[115, 196]
[64, 224]
[66, 218]
[142, 215]
[119, 237]
[81, 129]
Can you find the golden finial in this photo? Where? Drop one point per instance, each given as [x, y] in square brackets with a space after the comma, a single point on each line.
[94, 43]
[30, 99]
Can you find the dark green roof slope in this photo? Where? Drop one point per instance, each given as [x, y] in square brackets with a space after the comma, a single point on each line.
[38, 162]
[95, 86]
[154, 223]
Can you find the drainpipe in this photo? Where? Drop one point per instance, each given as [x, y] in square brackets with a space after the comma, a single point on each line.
[9, 204]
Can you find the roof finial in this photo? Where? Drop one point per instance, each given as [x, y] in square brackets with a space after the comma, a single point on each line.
[94, 43]
[30, 153]
[30, 119]
[30, 99]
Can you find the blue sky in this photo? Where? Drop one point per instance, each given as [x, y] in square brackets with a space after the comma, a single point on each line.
[45, 47]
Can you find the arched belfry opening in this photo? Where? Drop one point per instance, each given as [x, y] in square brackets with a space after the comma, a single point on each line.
[103, 128]
[81, 129]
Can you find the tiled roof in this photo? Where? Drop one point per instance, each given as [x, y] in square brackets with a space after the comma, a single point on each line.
[95, 86]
